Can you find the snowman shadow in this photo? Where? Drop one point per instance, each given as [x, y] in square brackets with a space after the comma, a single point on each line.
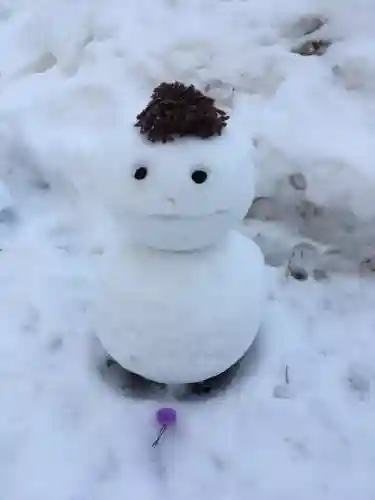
[135, 386]
[245, 367]
[128, 383]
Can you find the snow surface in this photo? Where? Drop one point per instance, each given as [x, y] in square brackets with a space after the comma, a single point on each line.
[70, 72]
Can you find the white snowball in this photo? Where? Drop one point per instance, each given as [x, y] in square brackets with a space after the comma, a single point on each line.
[179, 317]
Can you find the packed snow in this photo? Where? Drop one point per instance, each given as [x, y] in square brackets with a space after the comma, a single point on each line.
[297, 422]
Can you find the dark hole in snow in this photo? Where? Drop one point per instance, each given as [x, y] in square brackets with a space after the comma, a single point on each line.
[298, 181]
[298, 273]
[199, 176]
[312, 48]
[140, 173]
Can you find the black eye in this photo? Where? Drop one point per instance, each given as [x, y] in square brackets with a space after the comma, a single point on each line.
[199, 176]
[140, 173]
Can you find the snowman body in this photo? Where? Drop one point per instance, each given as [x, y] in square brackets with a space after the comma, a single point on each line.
[181, 298]
[179, 317]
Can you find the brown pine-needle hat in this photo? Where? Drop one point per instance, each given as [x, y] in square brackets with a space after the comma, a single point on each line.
[177, 110]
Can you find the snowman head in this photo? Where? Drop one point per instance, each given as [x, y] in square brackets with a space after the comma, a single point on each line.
[191, 177]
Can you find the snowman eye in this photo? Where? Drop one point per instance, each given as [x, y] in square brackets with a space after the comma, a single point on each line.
[199, 175]
[140, 173]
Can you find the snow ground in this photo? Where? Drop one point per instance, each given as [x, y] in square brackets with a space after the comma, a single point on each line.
[69, 72]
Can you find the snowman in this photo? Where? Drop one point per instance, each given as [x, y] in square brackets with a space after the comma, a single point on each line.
[182, 297]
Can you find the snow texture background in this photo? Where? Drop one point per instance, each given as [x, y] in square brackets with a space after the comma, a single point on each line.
[68, 73]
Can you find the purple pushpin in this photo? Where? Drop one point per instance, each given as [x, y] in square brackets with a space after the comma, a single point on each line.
[165, 417]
